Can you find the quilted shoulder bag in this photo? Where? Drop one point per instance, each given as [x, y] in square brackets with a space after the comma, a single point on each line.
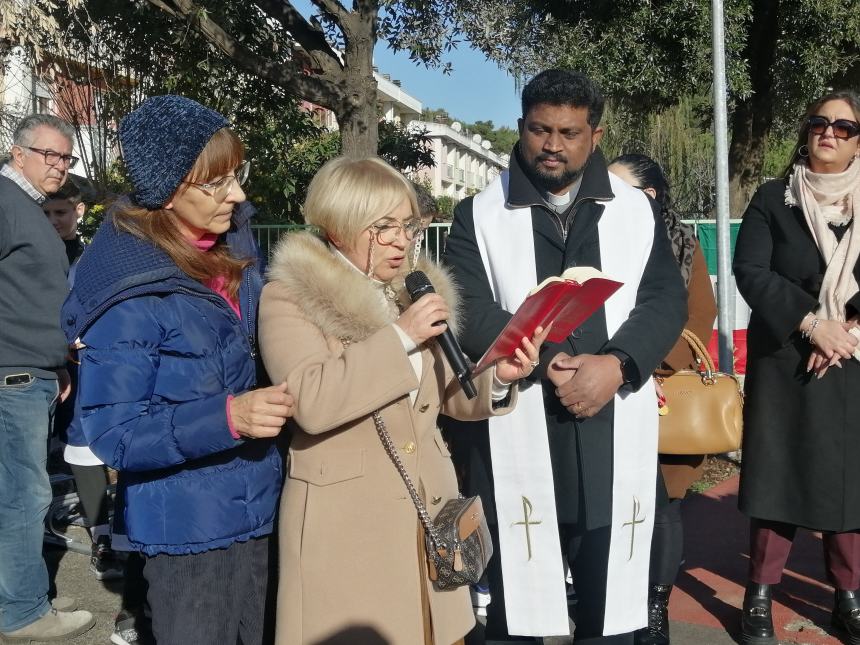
[704, 409]
[457, 540]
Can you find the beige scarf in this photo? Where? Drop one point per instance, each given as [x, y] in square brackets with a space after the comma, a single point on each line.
[831, 198]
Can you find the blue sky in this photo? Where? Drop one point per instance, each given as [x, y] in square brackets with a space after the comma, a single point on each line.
[475, 90]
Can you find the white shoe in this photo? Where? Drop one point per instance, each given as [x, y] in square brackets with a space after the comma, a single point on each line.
[53, 626]
[64, 603]
[480, 599]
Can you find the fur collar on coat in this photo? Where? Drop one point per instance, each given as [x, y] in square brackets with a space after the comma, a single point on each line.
[340, 300]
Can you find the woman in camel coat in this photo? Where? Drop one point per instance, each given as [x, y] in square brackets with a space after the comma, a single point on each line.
[338, 326]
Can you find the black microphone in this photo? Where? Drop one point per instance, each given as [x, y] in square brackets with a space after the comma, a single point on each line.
[417, 284]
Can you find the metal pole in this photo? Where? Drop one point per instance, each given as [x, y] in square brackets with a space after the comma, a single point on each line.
[725, 281]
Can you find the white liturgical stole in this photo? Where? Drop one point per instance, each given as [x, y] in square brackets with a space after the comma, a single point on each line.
[532, 566]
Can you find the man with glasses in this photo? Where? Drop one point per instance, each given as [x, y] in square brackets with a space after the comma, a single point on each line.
[33, 350]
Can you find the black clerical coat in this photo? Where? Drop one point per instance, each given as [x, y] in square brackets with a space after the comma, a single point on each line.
[581, 451]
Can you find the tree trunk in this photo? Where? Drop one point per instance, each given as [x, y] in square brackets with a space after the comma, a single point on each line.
[357, 117]
[356, 112]
[753, 117]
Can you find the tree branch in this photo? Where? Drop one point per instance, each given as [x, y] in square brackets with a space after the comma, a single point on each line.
[286, 75]
[335, 9]
[368, 9]
[165, 8]
[310, 38]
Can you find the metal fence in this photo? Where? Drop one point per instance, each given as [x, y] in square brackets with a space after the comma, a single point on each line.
[267, 236]
[434, 239]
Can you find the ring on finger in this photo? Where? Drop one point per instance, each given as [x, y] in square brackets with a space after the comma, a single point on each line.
[534, 364]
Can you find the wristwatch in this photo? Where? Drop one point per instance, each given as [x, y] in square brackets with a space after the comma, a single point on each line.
[629, 373]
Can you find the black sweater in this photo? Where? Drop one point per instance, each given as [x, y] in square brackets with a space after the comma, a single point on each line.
[33, 286]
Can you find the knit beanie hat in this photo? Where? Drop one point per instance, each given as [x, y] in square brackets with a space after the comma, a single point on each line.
[160, 142]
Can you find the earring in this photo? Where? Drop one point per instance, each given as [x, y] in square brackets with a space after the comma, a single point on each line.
[416, 250]
[803, 150]
[369, 269]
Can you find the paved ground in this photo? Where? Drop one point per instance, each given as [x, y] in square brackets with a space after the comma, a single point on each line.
[74, 579]
[709, 591]
[704, 607]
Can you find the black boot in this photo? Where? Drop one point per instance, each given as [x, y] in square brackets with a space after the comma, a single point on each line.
[756, 620]
[657, 632]
[846, 614]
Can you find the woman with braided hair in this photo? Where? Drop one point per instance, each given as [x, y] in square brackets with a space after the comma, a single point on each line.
[676, 472]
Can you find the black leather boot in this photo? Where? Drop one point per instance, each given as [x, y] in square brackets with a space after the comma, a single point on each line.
[756, 620]
[657, 632]
[846, 614]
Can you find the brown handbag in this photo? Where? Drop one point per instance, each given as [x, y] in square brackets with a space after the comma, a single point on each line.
[704, 409]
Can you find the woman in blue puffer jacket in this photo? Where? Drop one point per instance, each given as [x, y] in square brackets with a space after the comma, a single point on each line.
[164, 315]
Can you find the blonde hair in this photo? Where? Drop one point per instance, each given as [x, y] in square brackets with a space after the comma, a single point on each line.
[222, 154]
[347, 195]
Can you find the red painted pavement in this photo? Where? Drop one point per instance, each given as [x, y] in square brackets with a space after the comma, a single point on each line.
[710, 587]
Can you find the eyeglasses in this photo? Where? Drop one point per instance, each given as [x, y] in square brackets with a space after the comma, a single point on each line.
[52, 157]
[842, 128]
[220, 188]
[388, 231]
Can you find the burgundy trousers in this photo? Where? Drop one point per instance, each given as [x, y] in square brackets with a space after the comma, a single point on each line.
[770, 544]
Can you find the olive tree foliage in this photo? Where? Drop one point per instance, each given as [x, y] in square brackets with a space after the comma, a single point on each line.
[26, 28]
[327, 58]
[31, 24]
[647, 54]
[118, 54]
[674, 138]
[404, 148]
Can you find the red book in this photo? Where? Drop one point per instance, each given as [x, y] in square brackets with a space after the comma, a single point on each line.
[565, 301]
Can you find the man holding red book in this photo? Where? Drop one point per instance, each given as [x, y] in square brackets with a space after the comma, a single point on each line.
[572, 472]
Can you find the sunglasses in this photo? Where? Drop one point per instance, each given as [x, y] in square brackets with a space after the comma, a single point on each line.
[842, 128]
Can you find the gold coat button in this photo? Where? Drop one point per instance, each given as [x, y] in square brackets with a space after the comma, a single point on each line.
[424, 407]
[409, 448]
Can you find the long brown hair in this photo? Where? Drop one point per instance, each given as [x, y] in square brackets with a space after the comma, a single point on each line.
[221, 156]
[850, 97]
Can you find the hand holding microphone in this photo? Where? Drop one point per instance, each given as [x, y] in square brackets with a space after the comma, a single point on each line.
[425, 318]
[428, 320]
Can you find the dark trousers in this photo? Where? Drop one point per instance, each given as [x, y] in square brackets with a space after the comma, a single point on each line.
[770, 544]
[221, 596]
[587, 553]
[92, 483]
[667, 544]
[667, 541]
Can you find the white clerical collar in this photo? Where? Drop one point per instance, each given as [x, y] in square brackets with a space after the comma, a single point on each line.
[566, 198]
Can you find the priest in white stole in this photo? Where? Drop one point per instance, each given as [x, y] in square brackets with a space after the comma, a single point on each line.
[570, 477]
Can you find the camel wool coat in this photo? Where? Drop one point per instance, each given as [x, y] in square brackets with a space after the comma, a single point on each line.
[350, 570]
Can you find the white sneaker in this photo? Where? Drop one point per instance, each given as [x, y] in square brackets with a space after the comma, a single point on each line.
[53, 626]
[480, 599]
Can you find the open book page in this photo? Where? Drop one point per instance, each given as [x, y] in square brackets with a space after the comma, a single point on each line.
[566, 301]
[573, 274]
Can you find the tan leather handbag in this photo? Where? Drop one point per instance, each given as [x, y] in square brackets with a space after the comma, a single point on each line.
[704, 410]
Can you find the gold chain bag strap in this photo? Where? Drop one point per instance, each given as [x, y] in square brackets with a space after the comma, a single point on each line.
[458, 540]
[704, 410]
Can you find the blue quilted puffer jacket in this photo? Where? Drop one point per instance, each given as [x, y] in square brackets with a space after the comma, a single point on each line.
[162, 354]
